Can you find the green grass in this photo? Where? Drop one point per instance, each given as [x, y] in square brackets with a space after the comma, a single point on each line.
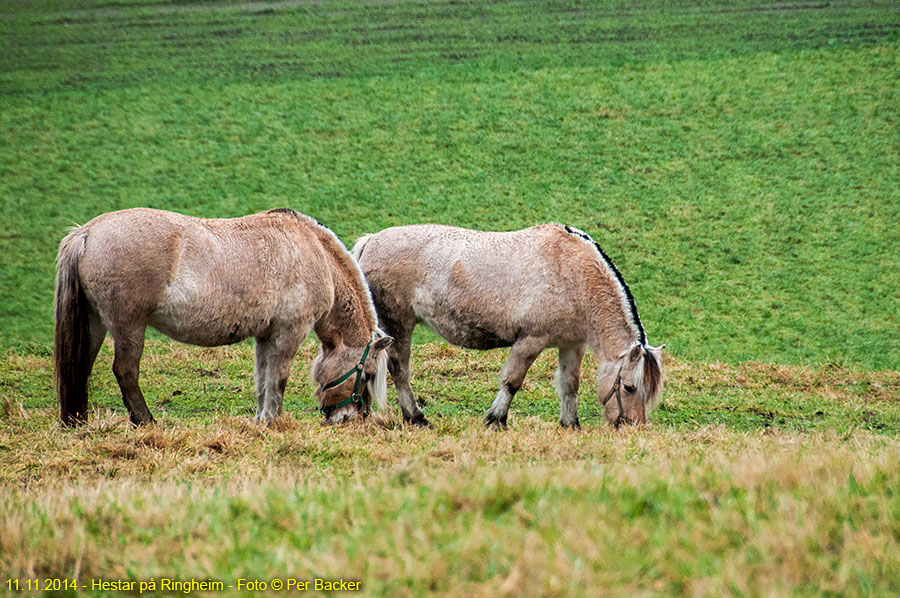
[557, 540]
[738, 160]
[182, 382]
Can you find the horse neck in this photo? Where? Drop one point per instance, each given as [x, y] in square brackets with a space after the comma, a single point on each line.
[611, 329]
[351, 317]
[609, 343]
[614, 324]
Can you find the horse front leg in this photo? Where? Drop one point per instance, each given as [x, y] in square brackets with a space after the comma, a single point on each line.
[398, 366]
[276, 353]
[522, 355]
[401, 326]
[128, 348]
[568, 379]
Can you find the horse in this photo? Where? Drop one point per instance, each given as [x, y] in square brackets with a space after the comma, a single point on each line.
[272, 276]
[546, 286]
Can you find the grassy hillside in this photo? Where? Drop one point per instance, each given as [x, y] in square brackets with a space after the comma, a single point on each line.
[738, 161]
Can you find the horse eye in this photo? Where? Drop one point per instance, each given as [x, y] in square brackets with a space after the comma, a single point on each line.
[628, 388]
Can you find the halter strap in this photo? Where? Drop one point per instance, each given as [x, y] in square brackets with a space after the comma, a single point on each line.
[617, 389]
[356, 397]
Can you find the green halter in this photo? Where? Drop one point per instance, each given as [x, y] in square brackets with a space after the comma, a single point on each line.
[356, 397]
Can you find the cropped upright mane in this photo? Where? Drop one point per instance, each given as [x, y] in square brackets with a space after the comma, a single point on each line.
[628, 304]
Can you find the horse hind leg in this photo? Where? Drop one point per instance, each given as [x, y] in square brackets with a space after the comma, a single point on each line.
[260, 371]
[568, 379]
[400, 325]
[129, 346]
[522, 355]
[96, 334]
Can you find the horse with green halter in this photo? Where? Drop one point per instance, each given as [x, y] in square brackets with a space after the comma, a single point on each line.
[206, 282]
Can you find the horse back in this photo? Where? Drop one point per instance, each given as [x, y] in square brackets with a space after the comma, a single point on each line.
[203, 281]
[478, 289]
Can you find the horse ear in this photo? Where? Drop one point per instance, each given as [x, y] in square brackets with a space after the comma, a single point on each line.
[382, 343]
[635, 353]
[327, 347]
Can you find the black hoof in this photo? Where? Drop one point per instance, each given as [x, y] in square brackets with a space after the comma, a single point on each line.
[74, 420]
[575, 425]
[135, 422]
[492, 421]
[418, 420]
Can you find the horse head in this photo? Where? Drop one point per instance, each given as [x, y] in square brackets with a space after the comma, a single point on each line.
[629, 387]
[350, 377]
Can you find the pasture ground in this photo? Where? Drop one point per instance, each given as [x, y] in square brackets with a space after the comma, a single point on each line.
[738, 160]
[752, 479]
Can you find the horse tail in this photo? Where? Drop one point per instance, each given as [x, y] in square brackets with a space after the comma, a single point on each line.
[360, 247]
[71, 350]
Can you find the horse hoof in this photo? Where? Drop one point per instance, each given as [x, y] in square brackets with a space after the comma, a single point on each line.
[573, 425]
[74, 420]
[264, 420]
[492, 421]
[418, 420]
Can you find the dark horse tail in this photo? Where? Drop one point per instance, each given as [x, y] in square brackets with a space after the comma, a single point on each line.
[71, 343]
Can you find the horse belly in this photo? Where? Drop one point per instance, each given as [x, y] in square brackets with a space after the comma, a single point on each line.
[207, 321]
[469, 331]
[474, 320]
[204, 336]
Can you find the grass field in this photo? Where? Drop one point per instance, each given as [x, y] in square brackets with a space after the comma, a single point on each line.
[739, 161]
[753, 480]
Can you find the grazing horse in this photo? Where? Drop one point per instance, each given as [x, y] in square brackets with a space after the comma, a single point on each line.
[210, 282]
[545, 286]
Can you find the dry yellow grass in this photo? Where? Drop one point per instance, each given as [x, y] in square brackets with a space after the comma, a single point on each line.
[739, 507]
[533, 511]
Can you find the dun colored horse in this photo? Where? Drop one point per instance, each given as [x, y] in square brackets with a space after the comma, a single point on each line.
[272, 276]
[545, 286]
